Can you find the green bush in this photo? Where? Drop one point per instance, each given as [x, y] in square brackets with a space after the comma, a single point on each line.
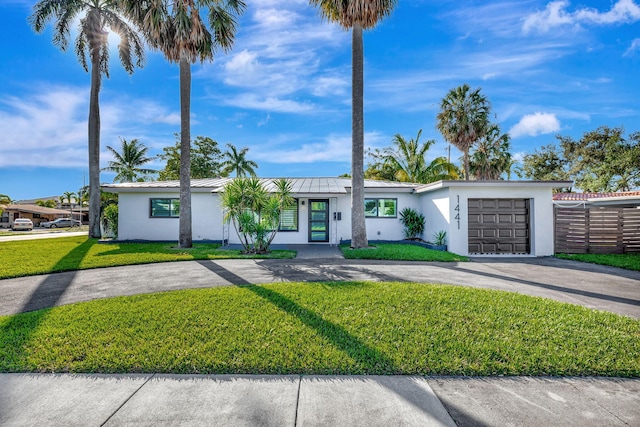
[110, 218]
[413, 223]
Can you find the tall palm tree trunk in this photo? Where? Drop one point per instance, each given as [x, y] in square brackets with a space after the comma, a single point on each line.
[466, 164]
[94, 148]
[185, 237]
[358, 225]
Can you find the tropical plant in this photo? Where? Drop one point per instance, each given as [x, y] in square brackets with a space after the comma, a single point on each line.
[68, 197]
[46, 203]
[545, 164]
[236, 161]
[357, 15]
[176, 28]
[254, 212]
[405, 161]
[440, 238]
[95, 18]
[110, 220]
[129, 161]
[413, 222]
[463, 119]
[491, 156]
[4, 201]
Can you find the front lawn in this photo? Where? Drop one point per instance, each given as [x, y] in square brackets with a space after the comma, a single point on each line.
[29, 257]
[399, 252]
[324, 328]
[629, 261]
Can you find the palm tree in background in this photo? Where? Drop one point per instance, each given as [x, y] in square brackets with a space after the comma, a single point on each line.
[176, 28]
[236, 161]
[356, 15]
[491, 156]
[95, 18]
[69, 197]
[129, 161]
[463, 119]
[408, 160]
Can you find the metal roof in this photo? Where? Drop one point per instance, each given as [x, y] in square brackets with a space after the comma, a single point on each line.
[316, 185]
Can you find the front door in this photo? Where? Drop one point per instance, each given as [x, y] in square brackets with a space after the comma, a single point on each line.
[318, 220]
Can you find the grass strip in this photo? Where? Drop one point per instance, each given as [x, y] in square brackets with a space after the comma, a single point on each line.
[324, 328]
[29, 257]
[400, 252]
[630, 261]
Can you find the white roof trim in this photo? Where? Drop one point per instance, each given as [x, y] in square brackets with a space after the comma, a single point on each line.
[512, 184]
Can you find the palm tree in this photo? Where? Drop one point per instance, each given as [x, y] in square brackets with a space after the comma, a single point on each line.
[408, 160]
[235, 160]
[463, 119]
[491, 156]
[69, 197]
[356, 15]
[176, 28]
[96, 16]
[128, 162]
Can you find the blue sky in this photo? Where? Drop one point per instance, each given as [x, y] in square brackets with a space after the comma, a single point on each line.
[548, 67]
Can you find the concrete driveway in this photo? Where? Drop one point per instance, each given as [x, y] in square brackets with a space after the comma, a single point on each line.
[593, 286]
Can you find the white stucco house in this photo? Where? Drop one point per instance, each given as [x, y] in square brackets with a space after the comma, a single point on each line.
[480, 217]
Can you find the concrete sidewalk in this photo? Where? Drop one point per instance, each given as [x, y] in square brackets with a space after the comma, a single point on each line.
[292, 400]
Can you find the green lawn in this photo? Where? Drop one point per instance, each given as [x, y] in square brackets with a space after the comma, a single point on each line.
[324, 328]
[29, 257]
[629, 261]
[399, 252]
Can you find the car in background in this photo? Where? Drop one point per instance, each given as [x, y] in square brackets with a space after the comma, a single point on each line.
[61, 223]
[22, 224]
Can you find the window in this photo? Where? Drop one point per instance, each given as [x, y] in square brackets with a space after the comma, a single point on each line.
[165, 208]
[381, 208]
[289, 218]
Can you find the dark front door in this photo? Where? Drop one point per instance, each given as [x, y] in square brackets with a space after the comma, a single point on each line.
[318, 220]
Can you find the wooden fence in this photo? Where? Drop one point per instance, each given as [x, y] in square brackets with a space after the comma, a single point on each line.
[597, 230]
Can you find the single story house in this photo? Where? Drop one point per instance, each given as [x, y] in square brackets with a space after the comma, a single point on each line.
[479, 217]
[35, 213]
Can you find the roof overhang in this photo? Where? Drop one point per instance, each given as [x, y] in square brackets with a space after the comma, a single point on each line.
[504, 184]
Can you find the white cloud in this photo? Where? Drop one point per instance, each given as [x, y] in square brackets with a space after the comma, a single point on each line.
[535, 124]
[635, 46]
[555, 14]
[335, 148]
[270, 103]
[48, 128]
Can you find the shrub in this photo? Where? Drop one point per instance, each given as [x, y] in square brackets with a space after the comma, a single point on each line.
[413, 223]
[110, 219]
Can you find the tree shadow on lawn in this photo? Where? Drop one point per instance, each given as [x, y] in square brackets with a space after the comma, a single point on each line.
[17, 330]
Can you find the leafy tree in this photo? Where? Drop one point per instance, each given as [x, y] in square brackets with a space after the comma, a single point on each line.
[206, 159]
[4, 201]
[603, 160]
[405, 161]
[463, 119]
[176, 28]
[236, 161]
[95, 18]
[254, 212]
[491, 156]
[356, 15]
[545, 164]
[69, 197]
[129, 161]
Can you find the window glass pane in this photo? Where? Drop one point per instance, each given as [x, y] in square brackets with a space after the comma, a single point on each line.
[165, 208]
[387, 207]
[175, 207]
[318, 206]
[160, 207]
[318, 216]
[370, 207]
[289, 218]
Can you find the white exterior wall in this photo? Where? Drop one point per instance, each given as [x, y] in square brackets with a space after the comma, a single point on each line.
[389, 228]
[135, 222]
[436, 209]
[540, 214]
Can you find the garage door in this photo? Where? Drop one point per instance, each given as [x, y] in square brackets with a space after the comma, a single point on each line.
[499, 226]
